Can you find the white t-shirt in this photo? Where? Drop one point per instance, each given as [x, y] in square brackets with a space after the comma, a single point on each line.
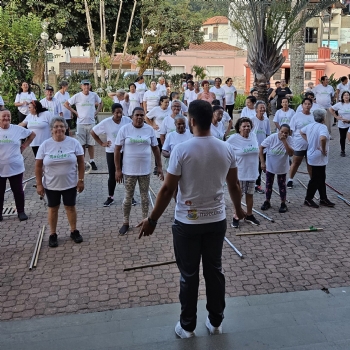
[175, 138]
[313, 133]
[229, 94]
[298, 121]
[218, 131]
[135, 100]
[85, 105]
[2, 103]
[158, 114]
[109, 127]
[225, 118]
[323, 95]
[11, 159]
[342, 87]
[184, 108]
[24, 96]
[282, 117]
[40, 125]
[190, 96]
[277, 158]
[248, 113]
[168, 125]
[219, 93]
[141, 89]
[60, 163]
[344, 112]
[313, 107]
[53, 106]
[125, 105]
[151, 98]
[62, 98]
[161, 88]
[247, 156]
[261, 128]
[201, 199]
[136, 143]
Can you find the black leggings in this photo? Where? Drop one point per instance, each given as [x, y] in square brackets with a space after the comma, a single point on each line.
[229, 109]
[35, 150]
[21, 117]
[343, 132]
[160, 146]
[111, 170]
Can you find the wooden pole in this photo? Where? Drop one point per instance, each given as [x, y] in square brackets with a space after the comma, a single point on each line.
[150, 265]
[306, 188]
[39, 246]
[332, 188]
[276, 232]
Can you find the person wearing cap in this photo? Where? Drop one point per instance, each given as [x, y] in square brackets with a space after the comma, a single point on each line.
[51, 103]
[62, 96]
[86, 102]
[23, 98]
[121, 97]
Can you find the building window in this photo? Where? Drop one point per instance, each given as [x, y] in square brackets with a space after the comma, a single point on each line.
[177, 70]
[215, 71]
[307, 75]
[278, 75]
[67, 72]
[205, 31]
[83, 72]
[311, 35]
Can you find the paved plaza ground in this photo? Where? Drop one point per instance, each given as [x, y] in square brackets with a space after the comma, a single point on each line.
[89, 277]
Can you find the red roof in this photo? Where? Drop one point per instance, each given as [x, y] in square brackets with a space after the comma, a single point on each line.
[216, 20]
[127, 58]
[214, 46]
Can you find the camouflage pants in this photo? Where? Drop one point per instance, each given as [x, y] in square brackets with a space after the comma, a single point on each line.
[130, 184]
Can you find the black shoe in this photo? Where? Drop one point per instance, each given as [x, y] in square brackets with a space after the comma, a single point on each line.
[124, 229]
[327, 203]
[53, 240]
[133, 202]
[258, 189]
[22, 216]
[266, 205]
[334, 124]
[251, 220]
[76, 236]
[235, 223]
[1, 218]
[342, 154]
[108, 202]
[283, 208]
[290, 184]
[311, 203]
[93, 166]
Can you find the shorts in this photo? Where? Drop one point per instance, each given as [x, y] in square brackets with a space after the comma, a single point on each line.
[247, 187]
[54, 197]
[83, 134]
[300, 153]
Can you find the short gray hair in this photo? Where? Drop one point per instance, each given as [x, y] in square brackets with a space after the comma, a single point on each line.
[179, 116]
[173, 101]
[58, 119]
[319, 115]
[259, 102]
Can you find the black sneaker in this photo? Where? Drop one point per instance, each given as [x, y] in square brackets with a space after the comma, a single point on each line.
[311, 203]
[290, 184]
[327, 203]
[266, 205]
[22, 216]
[76, 236]
[251, 219]
[283, 208]
[258, 189]
[53, 241]
[342, 154]
[334, 124]
[133, 202]
[93, 166]
[124, 229]
[108, 202]
[235, 223]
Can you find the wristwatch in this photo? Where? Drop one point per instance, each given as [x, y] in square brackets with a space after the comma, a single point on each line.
[152, 222]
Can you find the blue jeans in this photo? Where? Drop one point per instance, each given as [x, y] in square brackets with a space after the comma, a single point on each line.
[191, 242]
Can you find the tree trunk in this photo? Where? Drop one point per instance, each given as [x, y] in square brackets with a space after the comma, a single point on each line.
[116, 30]
[103, 49]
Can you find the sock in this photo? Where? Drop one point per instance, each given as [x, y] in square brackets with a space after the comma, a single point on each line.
[92, 160]
[290, 180]
[111, 197]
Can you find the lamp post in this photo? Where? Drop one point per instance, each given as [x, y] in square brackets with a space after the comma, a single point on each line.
[150, 51]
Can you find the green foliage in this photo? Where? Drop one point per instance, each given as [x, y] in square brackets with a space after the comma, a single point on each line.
[296, 101]
[207, 9]
[199, 71]
[107, 104]
[176, 81]
[240, 101]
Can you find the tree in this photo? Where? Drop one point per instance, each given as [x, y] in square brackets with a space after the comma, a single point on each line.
[207, 9]
[199, 71]
[167, 26]
[266, 26]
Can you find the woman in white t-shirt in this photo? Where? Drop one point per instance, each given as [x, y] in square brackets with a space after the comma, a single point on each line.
[283, 115]
[23, 98]
[59, 171]
[217, 127]
[110, 127]
[141, 87]
[62, 96]
[230, 96]
[38, 120]
[176, 96]
[249, 111]
[278, 148]
[11, 160]
[343, 117]
[137, 140]
[151, 97]
[135, 99]
[246, 148]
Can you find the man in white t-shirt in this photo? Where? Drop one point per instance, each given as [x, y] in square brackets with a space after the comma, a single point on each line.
[219, 92]
[190, 94]
[51, 103]
[85, 102]
[200, 220]
[324, 95]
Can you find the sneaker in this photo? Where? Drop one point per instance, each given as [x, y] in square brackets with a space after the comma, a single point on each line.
[182, 333]
[311, 203]
[251, 219]
[259, 190]
[290, 184]
[283, 208]
[235, 223]
[133, 202]
[22, 216]
[342, 154]
[213, 330]
[155, 171]
[266, 205]
[76, 236]
[53, 240]
[334, 124]
[108, 202]
[93, 166]
[327, 203]
[124, 229]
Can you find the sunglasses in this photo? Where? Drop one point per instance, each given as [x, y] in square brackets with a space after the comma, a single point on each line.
[139, 115]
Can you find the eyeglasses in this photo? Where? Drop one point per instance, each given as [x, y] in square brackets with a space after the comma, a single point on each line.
[139, 115]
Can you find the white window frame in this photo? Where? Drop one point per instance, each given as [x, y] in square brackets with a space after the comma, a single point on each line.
[209, 74]
[177, 66]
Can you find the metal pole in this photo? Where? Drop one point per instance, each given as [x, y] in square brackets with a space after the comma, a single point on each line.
[258, 212]
[150, 198]
[46, 64]
[234, 248]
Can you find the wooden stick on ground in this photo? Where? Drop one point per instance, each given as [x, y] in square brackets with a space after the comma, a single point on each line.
[39, 246]
[311, 229]
[35, 250]
[150, 265]
[332, 188]
[306, 187]
[100, 173]
[150, 188]
[303, 172]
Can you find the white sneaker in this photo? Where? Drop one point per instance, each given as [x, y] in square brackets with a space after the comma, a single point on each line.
[213, 330]
[182, 333]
